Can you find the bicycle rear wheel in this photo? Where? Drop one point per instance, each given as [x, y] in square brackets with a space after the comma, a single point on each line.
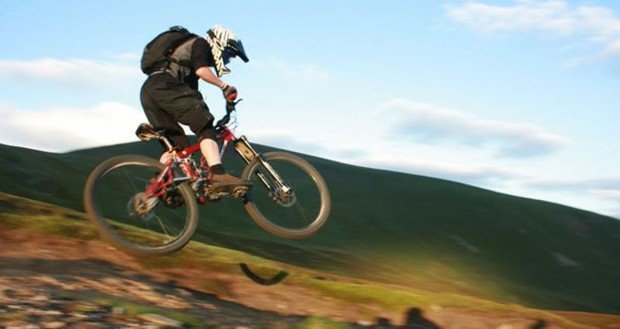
[136, 214]
[293, 210]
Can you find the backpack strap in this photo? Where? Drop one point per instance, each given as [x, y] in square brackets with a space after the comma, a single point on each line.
[187, 62]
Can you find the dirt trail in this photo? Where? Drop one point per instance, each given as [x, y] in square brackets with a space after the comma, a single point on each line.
[50, 282]
[61, 283]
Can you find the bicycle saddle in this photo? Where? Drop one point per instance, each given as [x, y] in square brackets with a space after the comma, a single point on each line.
[145, 132]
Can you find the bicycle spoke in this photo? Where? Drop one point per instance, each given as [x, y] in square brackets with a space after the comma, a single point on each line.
[141, 221]
[302, 212]
[130, 179]
[162, 226]
[288, 215]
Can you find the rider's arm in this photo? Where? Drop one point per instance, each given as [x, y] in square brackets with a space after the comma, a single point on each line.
[206, 74]
[202, 60]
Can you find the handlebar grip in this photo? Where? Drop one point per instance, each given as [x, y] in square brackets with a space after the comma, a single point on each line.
[231, 97]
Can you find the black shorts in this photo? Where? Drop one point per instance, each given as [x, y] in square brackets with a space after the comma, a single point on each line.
[167, 102]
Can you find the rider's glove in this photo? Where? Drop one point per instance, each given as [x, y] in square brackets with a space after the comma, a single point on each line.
[230, 93]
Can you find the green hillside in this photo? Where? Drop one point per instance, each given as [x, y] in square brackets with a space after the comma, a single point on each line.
[426, 233]
[318, 299]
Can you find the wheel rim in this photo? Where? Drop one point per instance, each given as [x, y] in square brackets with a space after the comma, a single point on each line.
[135, 217]
[296, 211]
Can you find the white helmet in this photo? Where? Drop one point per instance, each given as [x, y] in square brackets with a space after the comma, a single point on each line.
[224, 46]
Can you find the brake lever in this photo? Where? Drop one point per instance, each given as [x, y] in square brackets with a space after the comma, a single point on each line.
[230, 105]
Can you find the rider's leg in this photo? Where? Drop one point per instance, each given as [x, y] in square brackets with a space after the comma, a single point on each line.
[211, 152]
[166, 156]
[177, 138]
[154, 97]
[186, 105]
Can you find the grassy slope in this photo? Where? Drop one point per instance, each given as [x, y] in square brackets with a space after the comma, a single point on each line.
[356, 296]
[426, 233]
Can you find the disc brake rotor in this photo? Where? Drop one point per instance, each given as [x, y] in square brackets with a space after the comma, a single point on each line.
[286, 199]
[140, 205]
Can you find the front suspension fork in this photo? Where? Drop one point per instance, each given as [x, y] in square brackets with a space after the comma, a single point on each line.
[248, 154]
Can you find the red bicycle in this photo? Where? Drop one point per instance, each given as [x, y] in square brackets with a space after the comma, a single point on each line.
[145, 207]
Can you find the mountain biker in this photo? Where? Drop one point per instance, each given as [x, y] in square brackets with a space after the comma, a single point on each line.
[170, 94]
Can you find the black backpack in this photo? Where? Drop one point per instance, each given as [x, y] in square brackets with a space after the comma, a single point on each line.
[156, 55]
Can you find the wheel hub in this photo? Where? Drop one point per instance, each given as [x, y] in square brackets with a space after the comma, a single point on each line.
[140, 205]
[285, 199]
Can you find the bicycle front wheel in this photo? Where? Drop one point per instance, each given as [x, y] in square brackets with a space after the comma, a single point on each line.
[120, 199]
[289, 198]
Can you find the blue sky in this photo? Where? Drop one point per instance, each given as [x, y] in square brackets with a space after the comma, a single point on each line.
[515, 96]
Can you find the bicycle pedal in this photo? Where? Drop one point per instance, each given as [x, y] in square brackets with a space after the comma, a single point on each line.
[240, 191]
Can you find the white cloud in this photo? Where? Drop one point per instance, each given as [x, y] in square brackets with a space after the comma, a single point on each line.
[602, 184]
[524, 15]
[286, 140]
[81, 72]
[128, 57]
[122, 71]
[613, 48]
[479, 175]
[606, 191]
[63, 129]
[290, 70]
[429, 123]
[373, 151]
[608, 194]
[595, 23]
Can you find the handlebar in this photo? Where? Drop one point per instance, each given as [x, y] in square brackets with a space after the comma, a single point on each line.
[230, 107]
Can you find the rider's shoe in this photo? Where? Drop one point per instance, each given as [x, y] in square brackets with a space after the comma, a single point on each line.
[228, 180]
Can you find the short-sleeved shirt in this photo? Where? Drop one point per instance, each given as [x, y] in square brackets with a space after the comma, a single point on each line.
[190, 56]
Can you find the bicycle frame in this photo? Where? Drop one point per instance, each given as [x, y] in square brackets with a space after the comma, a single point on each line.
[195, 175]
[184, 161]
